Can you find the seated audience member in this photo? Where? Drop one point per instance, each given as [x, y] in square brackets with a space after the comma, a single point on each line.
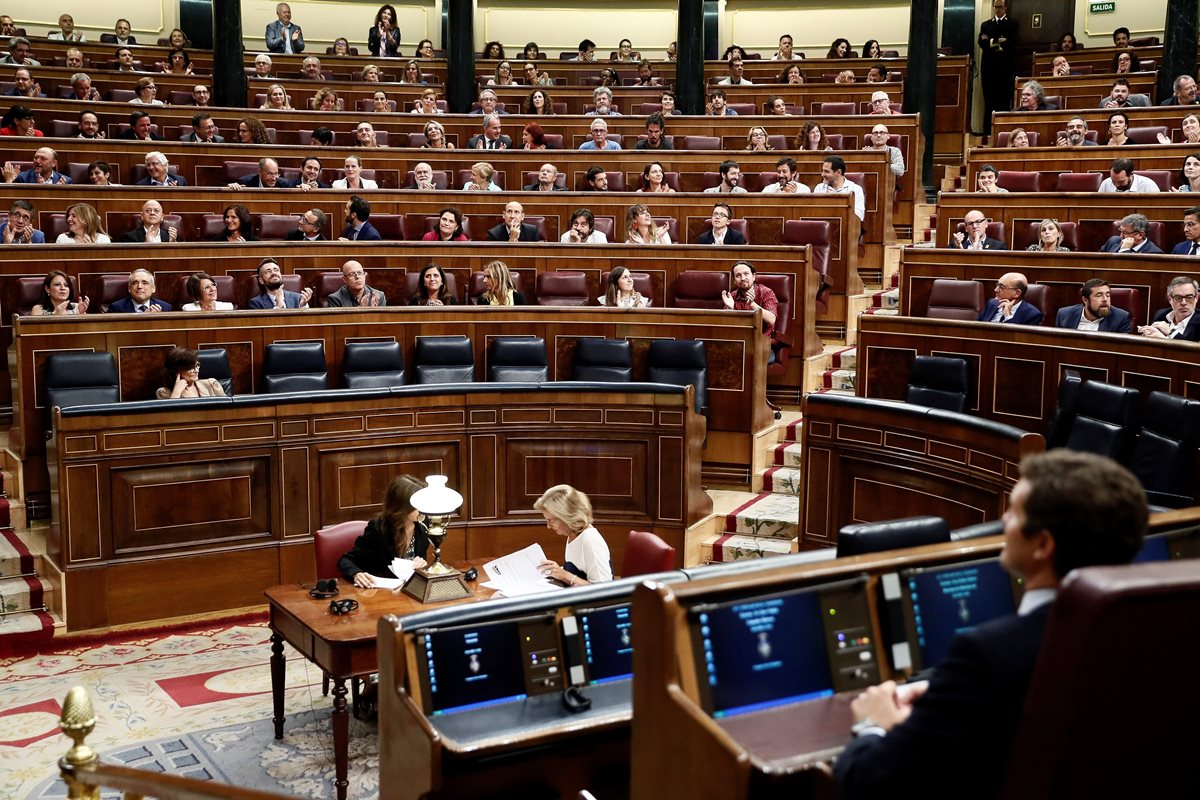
[1118, 124]
[358, 227]
[18, 228]
[595, 180]
[1076, 135]
[203, 290]
[277, 99]
[66, 31]
[749, 295]
[492, 50]
[619, 291]
[263, 66]
[449, 227]
[514, 228]
[599, 140]
[533, 137]
[238, 227]
[7, 26]
[492, 137]
[422, 177]
[1190, 245]
[353, 166]
[310, 227]
[877, 74]
[786, 183]
[177, 38]
[83, 226]
[201, 95]
[24, 85]
[267, 177]
[503, 75]
[122, 34]
[1183, 92]
[1096, 312]
[1132, 237]
[539, 103]
[1120, 37]
[547, 180]
[1060, 68]
[1033, 98]
[757, 139]
[435, 136]
[812, 137]
[44, 169]
[881, 105]
[1121, 178]
[587, 51]
[731, 178]
[721, 233]
[718, 104]
[568, 513]
[58, 297]
[1008, 305]
[1179, 320]
[535, 78]
[89, 126]
[124, 58]
[498, 286]
[1125, 62]
[141, 296]
[178, 63]
[481, 178]
[785, 52]
[412, 74]
[151, 228]
[1119, 96]
[426, 105]
[488, 104]
[1067, 43]
[834, 181]
[355, 293]
[839, 49]
[310, 175]
[321, 137]
[157, 171]
[141, 128]
[583, 229]
[310, 69]
[878, 140]
[667, 101]
[975, 236]
[364, 136]
[791, 75]
[204, 131]
[655, 134]
[145, 93]
[640, 227]
[845, 76]
[672, 53]
[952, 736]
[325, 99]
[1050, 238]
[625, 52]
[986, 180]
[341, 46]
[396, 533]
[734, 50]
[1191, 131]
[777, 107]
[20, 121]
[653, 179]
[735, 74]
[1018, 138]
[602, 99]
[100, 173]
[75, 61]
[646, 76]
[18, 53]
[272, 295]
[431, 288]
[531, 52]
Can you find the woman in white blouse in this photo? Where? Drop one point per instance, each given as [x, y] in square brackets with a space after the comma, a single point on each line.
[620, 292]
[203, 291]
[354, 180]
[83, 227]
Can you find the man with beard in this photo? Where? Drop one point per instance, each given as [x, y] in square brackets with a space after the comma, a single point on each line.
[1096, 312]
[272, 294]
[1076, 134]
[731, 177]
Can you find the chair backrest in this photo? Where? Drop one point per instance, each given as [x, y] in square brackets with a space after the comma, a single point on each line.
[515, 359]
[836, 108]
[939, 382]
[295, 367]
[699, 289]
[1078, 182]
[53, 225]
[1146, 134]
[79, 379]
[331, 543]
[444, 359]
[390, 226]
[1164, 456]
[1129, 298]
[1106, 420]
[682, 362]
[782, 285]
[372, 364]
[701, 142]
[646, 553]
[107, 289]
[951, 299]
[1064, 411]
[1016, 181]
[214, 363]
[276, 227]
[604, 360]
[1037, 295]
[876, 537]
[561, 289]
[1161, 177]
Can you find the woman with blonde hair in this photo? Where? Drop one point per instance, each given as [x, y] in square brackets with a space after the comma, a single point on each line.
[396, 533]
[325, 99]
[568, 512]
[276, 99]
[83, 227]
[435, 136]
[498, 287]
[1050, 238]
[427, 103]
[1019, 137]
[370, 74]
[640, 227]
[619, 291]
[481, 178]
[756, 139]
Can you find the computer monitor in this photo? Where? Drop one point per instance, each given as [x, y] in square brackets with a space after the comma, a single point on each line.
[599, 644]
[756, 652]
[1180, 543]
[1154, 548]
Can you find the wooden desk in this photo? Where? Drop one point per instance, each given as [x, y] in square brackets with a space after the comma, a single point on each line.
[1047, 124]
[343, 646]
[1080, 92]
[1098, 58]
[1051, 160]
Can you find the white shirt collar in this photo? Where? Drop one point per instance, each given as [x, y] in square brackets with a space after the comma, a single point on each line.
[1034, 599]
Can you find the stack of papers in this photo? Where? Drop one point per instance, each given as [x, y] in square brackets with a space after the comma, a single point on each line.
[402, 568]
[517, 573]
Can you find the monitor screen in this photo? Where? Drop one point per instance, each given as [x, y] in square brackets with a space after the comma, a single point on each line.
[1154, 548]
[941, 601]
[473, 666]
[607, 639]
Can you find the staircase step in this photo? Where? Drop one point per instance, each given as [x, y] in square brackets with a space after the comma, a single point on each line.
[787, 454]
[793, 430]
[728, 547]
[15, 558]
[783, 480]
[769, 515]
[20, 594]
[844, 359]
[889, 298]
[841, 379]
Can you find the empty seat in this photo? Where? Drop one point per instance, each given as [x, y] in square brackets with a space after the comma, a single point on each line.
[1038, 295]
[80, 379]
[876, 537]
[681, 363]
[815, 233]
[951, 299]
[1105, 421]
[1147, 134]
[979, 530]
[444, 359]
[295, 367]
[938, 382]
[699, 289]
[516, 359]
[1064, 410]
[1016, 181]
[371, 365]
[276, 227]
[561, 289]
[700, 143]
[605, 360]
[836, 108]
[1164, 456]
[214, 363]
[646, 553]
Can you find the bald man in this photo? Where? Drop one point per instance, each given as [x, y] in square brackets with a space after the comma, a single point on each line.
[1008, 305]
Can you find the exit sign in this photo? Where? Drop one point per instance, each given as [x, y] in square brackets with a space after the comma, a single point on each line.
[1103, 8]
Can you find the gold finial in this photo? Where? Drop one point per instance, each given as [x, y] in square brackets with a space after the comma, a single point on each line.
[77, 721]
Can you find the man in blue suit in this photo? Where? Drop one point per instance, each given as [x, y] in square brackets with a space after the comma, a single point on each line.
[44, 169]
[952, 736]
[272, 295]
[282, 36]
[1131, 237]
[1190, 246]
[358, 211]
[1009, 303]
[141, 296]
[1096, 312]
[267, 177]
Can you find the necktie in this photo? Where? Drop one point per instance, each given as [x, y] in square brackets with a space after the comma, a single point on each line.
[354, 235]
[142, 308]
[999, 316]
[1195, 246]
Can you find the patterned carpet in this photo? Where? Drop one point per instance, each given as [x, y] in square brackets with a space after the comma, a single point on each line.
[193, 702]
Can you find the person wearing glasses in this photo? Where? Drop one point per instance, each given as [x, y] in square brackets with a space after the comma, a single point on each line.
[355, 293]
[878, 140]
[974, 236]
[1179, 321]
[720, 232]
[181, 377]
[1009, 306]
[1132, 236]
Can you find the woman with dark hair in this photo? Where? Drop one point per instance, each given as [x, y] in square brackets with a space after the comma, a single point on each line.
[538, 103]
[492, 50]
[533, 137]
[872, 49]
[1189, 175]
[99, 173]
[19, 121]
[146, 93]
[839, 49]
[619, 291]
[498, 286]
[181, 377]
[609, 77]
[413, 75]
[625, 52]
[396, 533]
[383, 39]
[424, 49]
[449, 227]
[667, 100]
[733, 50]
[431, 288]
[653, 179]
[203, 290]
[531, 52]
[1125, 62]
[812, 137]
[178, 62]
[791, 74]
[237, 225]
[503, 75]
[341, 46]
[1118, 125]
[58, 296]
[251, 131]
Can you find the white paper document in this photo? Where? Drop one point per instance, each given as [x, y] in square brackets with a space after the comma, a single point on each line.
[402, 568]
[517, 573]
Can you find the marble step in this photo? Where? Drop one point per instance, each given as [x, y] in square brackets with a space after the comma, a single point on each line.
[783, 480]
[767, 516]
[729, 547]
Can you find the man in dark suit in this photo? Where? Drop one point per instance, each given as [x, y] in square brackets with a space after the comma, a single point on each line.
[141, 296]
[267, 177]
[720, 232]
[358, 211]
[547, 180]
[44, 169]
[1184, 92]
[492, 137]
[141, 128]
[998, 41]
[1190, 246]
[282, 35]
[152, 228]
[975, 236]
[1131, 237]
[310, 227]
[1096, 312]
[1009, 303]
[952, 736]
[204, 131]
[272, 295]
[514, 228]
[1179, 321]
[158, 172]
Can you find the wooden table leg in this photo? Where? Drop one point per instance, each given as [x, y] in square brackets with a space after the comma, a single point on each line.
[341, 738]
[278, 672]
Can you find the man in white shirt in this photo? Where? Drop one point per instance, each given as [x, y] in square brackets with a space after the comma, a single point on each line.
[1179, 321]
[736, 76]
[833, 181]
[583, 229]
[786, 183]
[1121, 178]
[784, 53]
[66, 31]
[731, 176]
[878, 140]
